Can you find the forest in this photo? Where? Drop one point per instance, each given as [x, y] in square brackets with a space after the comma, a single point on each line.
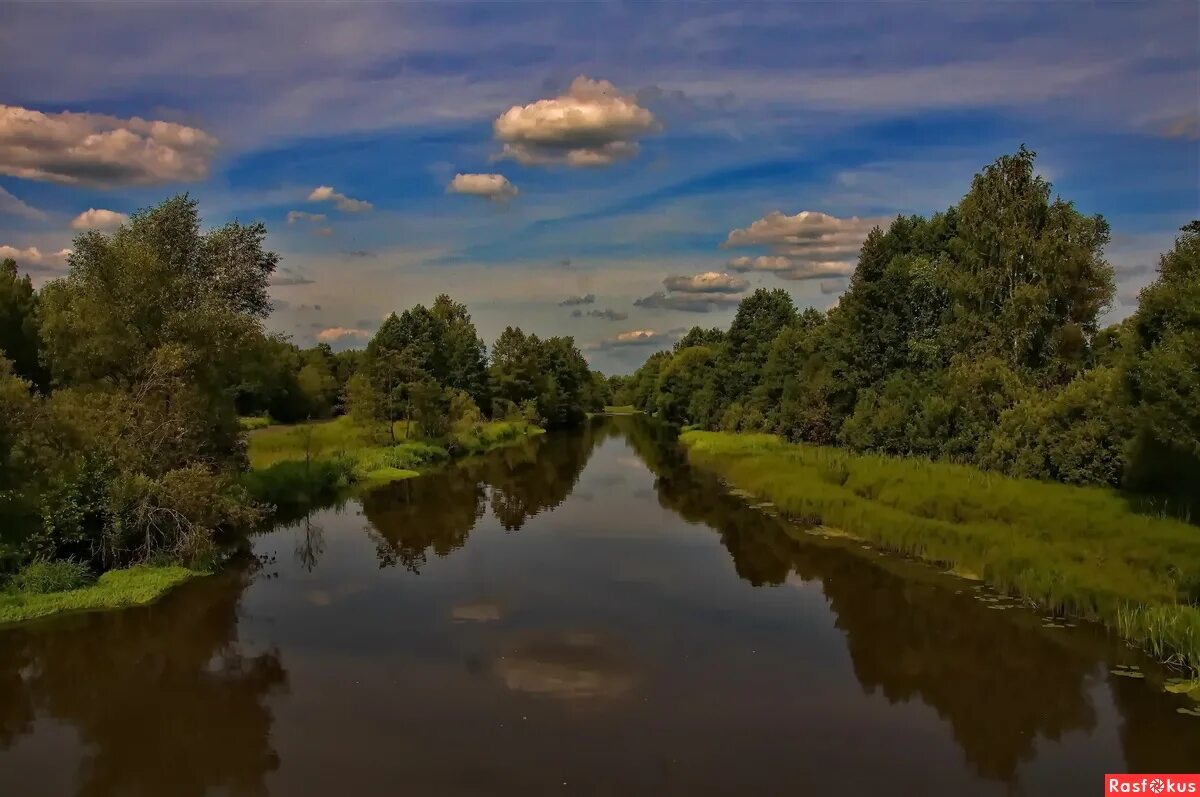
[127, 388]
[973, 336]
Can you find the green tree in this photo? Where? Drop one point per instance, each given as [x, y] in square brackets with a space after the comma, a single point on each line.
[680, 395]
[1028, 278]
[1162, 372]
[20, 339]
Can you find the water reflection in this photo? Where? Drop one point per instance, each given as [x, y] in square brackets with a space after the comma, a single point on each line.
[163, 700]
[1001, 682]
[716, 648]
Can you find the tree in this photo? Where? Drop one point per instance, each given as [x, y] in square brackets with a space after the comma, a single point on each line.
[760, 317]
[168, 315]
[1162, 372]
[1028, 279]
[20, 339]
[465, 354]
[680, 396]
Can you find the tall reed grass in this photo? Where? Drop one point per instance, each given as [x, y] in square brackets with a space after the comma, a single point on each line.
[1078, 551]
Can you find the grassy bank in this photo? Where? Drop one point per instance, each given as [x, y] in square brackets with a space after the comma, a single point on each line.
[1072, 550]
[624, 409]
[135, 586]
[296, 465]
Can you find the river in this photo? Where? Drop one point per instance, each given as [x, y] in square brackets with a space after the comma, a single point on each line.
[581, 615]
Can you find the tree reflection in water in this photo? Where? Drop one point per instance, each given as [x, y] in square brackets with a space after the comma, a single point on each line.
[163, 698]
[436, 512]
[999, 683]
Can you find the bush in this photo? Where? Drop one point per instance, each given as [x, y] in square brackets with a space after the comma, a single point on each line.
[1075, 434]
[44, 575]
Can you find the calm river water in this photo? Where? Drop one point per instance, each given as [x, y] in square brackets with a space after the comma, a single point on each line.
[584, 615]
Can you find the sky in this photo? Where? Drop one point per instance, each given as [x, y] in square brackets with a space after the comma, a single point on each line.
[613, 171]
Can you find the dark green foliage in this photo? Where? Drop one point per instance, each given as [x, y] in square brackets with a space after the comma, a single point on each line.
[129, 458]
[20, 338]
[973, 336]
[551, 374]
[1163, 373]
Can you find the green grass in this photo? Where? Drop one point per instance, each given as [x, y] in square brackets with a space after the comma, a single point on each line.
[624, 409]
[135, 586]
[44, 575]
[339, 453]
[1077, 551]
[251, 422]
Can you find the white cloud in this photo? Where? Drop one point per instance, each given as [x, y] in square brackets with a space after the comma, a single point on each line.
[634, 337]
[592, 124]
[325, 193]
[98, 219]
[495, 187]
[808, 245]
[708, 282]
[16, 207]
[334, 334]
[34, 259]
[294, 216]
[94, 149]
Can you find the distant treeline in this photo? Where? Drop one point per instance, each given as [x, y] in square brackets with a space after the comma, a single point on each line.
[970, 336]
[122, 383]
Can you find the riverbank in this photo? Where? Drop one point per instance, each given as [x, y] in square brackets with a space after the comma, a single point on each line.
[116, 589]
[1075, 551]
[294, 465]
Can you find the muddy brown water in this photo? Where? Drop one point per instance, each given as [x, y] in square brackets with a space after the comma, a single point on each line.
[580, 615]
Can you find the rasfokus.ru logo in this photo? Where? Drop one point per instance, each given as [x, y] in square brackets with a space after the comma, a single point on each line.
[1151, 784]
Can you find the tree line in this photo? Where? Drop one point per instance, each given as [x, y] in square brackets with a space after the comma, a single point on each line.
[972, 335]
[123, 382]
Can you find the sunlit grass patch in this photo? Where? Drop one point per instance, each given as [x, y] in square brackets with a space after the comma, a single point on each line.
[623, 409]
[1073, 550]
[135, 586]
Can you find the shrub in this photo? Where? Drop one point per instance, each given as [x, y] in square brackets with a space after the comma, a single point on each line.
[45, 575]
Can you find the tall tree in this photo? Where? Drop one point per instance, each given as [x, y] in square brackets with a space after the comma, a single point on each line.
[20, 340]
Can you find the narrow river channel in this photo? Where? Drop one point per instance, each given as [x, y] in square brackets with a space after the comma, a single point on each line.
[581, 615]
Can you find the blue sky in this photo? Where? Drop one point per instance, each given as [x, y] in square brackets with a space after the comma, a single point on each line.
[713, 116]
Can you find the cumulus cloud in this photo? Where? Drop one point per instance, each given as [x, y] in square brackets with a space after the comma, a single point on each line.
[94, 149]
[98, 219]
[15, 207]
[592, 124]
[699, 293]
[325, 193]
[294, 216]
[572, 301]
[285, 276]
[634, 337]
[495, 187]
[808, 245]
[336, 334]
[708, 282]
[33, 259]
